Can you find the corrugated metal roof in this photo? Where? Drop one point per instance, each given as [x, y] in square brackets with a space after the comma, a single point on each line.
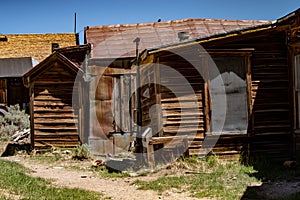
[16, 67]
[114, 41]
[217, 36]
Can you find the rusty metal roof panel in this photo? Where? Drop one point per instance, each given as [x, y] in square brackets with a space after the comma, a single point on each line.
[114, 41]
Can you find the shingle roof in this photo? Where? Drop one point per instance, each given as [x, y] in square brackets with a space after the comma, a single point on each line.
[16, 67]
[37, 46]
[114, 41]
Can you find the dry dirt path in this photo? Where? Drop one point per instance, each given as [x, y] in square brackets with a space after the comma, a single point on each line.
[115, 188]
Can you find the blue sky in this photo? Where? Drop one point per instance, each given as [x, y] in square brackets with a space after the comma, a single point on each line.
[57, 16]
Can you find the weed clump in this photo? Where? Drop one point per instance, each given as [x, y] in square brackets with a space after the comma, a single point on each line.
[81, 152]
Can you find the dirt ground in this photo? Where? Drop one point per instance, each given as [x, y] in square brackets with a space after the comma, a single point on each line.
[115, 188]
[66, 174]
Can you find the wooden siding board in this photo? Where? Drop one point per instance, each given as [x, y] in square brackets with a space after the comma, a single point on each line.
[269, 106]
[54, 119]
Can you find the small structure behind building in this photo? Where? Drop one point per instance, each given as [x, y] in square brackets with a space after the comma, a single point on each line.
[54, 117]
[12, 90]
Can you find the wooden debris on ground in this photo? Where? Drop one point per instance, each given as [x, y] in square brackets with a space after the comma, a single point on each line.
[21, 136]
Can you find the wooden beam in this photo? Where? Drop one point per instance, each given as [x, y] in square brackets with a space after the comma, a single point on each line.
[157, 90]
[31, 110]
[207, 99]
[249, 92]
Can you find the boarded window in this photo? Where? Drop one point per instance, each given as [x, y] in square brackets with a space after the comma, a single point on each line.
[233, 74]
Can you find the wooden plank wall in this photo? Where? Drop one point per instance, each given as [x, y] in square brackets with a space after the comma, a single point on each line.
[270, 124]
[193, 115]
[150, 112]
[55, 120]
[183, 110]
[269, 132]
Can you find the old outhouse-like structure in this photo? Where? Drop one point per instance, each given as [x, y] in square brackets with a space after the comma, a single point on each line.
[55, 107]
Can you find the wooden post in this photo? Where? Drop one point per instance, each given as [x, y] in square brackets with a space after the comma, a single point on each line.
[250, 102]
[207, 101]
[146, 138]
[80, 117]
[158, 96]
[249, 91]
[31, 110]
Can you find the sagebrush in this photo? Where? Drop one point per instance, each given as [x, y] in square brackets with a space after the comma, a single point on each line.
[14, 120]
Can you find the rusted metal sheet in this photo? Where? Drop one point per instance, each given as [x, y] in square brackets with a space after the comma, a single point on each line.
[115, 41]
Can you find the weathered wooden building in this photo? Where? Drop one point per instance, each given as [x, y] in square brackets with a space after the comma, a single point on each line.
[259, 69]
[12, 90]
[19, 53]
[112, 83]
[55, 118]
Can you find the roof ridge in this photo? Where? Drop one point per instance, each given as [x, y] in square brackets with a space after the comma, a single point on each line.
[175, 21]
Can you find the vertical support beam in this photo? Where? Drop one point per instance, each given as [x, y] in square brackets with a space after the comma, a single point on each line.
[292, 99]
[207, 107]
[250, 102]
[130, 105]
[249, 92]
[207, 99]
[157, 82]
[138, 98]
[292, 86]
[121, 79]
[31, 110]
[80, 107]
[146, 142]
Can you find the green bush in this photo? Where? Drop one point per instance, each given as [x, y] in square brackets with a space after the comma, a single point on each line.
[14, 120]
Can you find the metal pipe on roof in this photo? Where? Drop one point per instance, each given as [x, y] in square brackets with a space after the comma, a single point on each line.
[138, 97]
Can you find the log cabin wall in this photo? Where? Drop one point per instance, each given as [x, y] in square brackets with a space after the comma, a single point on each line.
[54, 120]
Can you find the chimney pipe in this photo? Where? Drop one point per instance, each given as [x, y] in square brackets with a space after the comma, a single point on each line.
[183, 35]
